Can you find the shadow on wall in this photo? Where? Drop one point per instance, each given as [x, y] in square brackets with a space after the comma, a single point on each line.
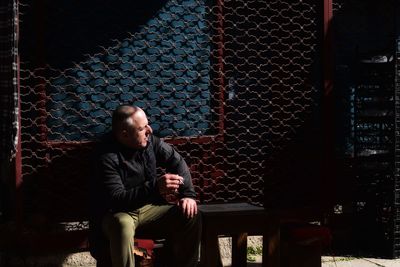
[294, 176]
[293, 167]
[97, 56]
[64, 32]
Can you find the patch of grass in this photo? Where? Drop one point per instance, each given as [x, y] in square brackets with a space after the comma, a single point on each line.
[252, 252]
[337, 259]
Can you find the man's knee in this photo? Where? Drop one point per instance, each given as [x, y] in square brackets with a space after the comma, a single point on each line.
[196, 219]
[194, 223]
[121, 224]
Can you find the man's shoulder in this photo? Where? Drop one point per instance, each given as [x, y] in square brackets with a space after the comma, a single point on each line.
[106, 147]
[155, 143]
[154, 140]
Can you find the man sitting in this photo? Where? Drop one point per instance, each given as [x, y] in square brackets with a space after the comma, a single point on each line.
[127, 197]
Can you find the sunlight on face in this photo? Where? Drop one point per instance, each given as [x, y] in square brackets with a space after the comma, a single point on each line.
[139, 130]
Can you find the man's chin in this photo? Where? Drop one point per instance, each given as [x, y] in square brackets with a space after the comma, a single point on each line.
[140, 146]
[144, 145]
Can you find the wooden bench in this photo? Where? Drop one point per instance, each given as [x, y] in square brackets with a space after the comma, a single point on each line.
[237, 220]
[288, 240]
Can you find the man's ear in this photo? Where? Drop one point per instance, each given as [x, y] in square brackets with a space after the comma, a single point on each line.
[124, 133]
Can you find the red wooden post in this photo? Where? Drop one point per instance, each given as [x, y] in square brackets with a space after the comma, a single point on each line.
[18, 154]
[328, 117]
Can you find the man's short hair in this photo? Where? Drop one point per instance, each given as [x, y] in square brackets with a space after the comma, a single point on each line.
[121, 117]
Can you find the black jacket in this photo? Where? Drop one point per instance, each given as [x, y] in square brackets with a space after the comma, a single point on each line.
[126, 179]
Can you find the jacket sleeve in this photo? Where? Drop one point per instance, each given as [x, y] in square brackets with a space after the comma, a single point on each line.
[120, 198]
[168, 158]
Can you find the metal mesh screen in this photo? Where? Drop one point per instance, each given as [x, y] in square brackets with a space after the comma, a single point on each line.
[365, 86]
[8, 86]
[8, 100]
[228, 83]
[396, 210]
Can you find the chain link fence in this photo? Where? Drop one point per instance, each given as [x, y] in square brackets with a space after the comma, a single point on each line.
[228, 83]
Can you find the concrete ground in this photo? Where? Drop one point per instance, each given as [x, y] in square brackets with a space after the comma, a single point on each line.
[328, 261]
[84, 259]
[358, 262]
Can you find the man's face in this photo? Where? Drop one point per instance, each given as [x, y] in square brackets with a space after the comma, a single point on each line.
[137, 135]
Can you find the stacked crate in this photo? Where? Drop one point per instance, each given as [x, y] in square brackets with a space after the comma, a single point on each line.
[373, 121]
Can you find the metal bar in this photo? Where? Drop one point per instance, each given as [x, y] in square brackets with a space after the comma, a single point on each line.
[328, 60]
[221, 67]
[18, 155]
[328, 127]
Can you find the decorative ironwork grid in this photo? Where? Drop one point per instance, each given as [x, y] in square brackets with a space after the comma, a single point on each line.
[8, 76]
[365, 86]
[396, 209]
[227, 82]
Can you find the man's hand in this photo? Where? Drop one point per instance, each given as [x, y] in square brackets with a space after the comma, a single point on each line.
[169, 183]
[188, 206]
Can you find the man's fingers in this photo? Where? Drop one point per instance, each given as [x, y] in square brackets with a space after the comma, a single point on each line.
[172, 186]
[173, 181]
[184, 207]
[174, 177]
[194, 209]
[190, 213]
[189, 207]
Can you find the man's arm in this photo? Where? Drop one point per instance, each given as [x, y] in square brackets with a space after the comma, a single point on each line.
[178, 176]
[174, 164]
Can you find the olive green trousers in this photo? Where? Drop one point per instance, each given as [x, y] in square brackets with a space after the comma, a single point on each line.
[182, 234]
